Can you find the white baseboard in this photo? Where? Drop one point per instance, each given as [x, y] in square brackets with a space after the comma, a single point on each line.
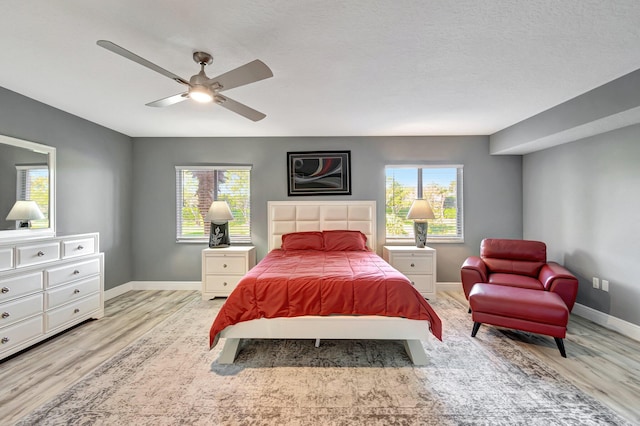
[152, 285]
[612, 323]
[448, 286]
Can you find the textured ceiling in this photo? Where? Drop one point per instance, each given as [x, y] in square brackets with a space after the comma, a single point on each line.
[341, 68]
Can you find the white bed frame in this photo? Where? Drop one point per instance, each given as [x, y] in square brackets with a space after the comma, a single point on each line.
[297, 216]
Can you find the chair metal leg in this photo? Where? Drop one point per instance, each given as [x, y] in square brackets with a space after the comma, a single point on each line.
[476, 326]
[560, 344]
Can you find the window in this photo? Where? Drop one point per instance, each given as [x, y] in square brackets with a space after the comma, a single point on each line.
[198, 186]
[440, 185]
[33, 185]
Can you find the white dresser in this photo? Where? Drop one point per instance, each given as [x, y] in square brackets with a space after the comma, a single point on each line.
[46, 286]
[418, 264]
[222, 268]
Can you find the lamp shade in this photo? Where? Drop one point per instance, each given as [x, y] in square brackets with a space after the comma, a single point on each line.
[25, 210]
[420, 210]
[219, 212]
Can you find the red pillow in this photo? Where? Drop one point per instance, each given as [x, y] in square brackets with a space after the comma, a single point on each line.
[344, 241]
[302, 241]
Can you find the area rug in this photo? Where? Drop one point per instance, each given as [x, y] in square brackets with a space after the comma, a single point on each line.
[169, 377]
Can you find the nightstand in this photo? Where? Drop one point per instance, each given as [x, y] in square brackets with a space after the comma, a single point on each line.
[418, 264]
[222, 268]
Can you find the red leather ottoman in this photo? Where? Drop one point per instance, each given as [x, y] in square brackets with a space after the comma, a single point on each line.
[536, 311]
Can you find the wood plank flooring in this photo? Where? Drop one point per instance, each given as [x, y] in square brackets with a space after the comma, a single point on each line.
[601, 362]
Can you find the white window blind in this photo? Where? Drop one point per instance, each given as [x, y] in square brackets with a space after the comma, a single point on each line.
[33, 185]
[441, 185]
[198, 186]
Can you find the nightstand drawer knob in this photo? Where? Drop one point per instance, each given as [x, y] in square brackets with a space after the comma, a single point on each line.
[76, 272]
[40, 253]
[224, 283]
[413, 264]
[6, 315]
[76, 310]
[224, 265]
[76, 291]
[5, 289]
[5, 340]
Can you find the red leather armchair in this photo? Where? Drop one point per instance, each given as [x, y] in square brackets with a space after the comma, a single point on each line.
[518, 263]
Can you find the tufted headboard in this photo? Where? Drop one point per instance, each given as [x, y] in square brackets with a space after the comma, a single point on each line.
[297, 216]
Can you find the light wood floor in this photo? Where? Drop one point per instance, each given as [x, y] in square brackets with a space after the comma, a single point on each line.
[602, 363]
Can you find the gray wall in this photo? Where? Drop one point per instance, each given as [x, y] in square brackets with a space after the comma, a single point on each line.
[94, 170]
[492, 191]
[583, 199]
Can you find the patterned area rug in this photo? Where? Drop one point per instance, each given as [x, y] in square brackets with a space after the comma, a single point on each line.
[169, 377]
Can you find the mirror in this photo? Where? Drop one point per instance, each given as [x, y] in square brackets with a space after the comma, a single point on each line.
[27, 172]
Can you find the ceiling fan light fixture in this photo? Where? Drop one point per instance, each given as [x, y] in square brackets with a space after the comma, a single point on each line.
[201, 94]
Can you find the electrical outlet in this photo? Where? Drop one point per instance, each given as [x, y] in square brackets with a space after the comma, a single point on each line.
[596, 282]
[605, 285]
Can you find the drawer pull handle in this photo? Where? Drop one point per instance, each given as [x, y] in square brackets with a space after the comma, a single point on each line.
[412, 265]
[224, 265]
[76, 272]
[6, 315]
[413, 283]
[40, 253]
[80, 247]
[5, 289]
[76, 291]
[76, 310]
[5, 340]
[224, 283]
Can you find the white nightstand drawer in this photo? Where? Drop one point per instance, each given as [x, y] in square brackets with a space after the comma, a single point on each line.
[6, 258]
[218, 283]
[72, 272]
[19, 285]
[72, 311]
[79, 247]
[32, 255]
[21, 332]
[68, 293]
[14, 311]
[226, 264]
[408, 264]
[422, 283]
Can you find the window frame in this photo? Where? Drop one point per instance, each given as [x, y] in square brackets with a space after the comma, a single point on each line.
[432, 238]
[235, 238]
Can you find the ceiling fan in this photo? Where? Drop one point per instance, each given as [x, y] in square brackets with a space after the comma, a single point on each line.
[202, 88]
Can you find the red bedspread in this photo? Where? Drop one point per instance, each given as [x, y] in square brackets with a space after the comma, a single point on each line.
[308, 282]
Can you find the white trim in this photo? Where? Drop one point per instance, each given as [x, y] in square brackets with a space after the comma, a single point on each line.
[452, 286]
[607, 321]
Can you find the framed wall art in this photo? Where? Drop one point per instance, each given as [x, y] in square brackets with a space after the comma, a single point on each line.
[319, 173]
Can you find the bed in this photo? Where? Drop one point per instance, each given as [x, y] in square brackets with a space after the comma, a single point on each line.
[323, 280]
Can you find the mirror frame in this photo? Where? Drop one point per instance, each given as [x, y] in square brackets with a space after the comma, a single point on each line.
[25, 234]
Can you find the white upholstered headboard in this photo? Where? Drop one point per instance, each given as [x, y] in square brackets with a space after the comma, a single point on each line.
[298, 216]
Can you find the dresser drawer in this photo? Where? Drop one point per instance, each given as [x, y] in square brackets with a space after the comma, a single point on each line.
[6, 258]
[32, 255]
[79, 247]
[409, 264]
[19, 285]
[71, 272]
[226, 264]
[72, 311]
[74, 291]
[20, 332]
[18, 309]
[221, 283]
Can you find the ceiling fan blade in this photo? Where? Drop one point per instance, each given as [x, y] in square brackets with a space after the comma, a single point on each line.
[135, 58]
[239, 108]
[170, 100]
[247, 73]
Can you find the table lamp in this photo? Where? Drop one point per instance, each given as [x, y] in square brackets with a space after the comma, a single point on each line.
[219, 215]
[420, 211]
[25, 211]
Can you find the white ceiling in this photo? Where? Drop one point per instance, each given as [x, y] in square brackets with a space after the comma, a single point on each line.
[341, 68]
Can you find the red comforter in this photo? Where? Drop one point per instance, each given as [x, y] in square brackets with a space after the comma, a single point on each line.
[308, 282]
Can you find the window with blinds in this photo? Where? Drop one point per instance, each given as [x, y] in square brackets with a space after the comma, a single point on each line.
[198, 186]
[33, 185]
[441, 185]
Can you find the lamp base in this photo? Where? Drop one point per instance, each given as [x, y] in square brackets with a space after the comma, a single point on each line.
[420, 232]
[219, 235]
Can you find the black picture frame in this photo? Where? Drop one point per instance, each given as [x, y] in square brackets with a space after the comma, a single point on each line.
[319, 173]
